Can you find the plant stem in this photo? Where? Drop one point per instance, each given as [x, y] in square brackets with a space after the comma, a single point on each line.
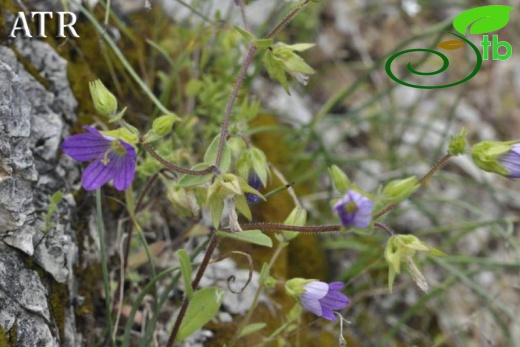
[422, 182]
[198, 276]
[309, 229]
[242, 73]
[247, 318]
[287, 19]
[104, 267]
[176, 168]
[231, 102]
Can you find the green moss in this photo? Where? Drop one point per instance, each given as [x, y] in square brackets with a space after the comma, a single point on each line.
[8, 338]
[58, 295]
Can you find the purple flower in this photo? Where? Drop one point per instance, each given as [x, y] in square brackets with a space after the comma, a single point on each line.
[323, 298]
[254, 182]
[511, 161]
[354, 210]
[110, 158]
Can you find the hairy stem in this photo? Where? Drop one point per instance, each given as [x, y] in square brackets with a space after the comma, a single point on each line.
[242, 73]
[422, 182]
[198, 276]
[176, 168]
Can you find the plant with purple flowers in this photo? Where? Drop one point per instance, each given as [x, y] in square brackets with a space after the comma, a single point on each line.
[498, 157]
[354, 210]
[320, 298]
[221, 178]
[110, 158]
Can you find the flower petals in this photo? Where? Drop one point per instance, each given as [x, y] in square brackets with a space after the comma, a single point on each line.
[109, 160]
[354, 210]
[97, 174]
[126, 170]
[85, 147]
[323, 299]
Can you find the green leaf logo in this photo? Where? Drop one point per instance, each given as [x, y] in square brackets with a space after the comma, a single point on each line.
[483, 19]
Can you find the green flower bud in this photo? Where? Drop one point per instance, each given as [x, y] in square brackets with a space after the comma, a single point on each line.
[280, 58]
[487, 154]
[229, 186]
[104, 101]
[162, 125]
[339, 179]
[253, 159]
[402, 249]
[399, 190]
[458, 143]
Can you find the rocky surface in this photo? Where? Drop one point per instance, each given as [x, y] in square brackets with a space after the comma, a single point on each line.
[35, 258]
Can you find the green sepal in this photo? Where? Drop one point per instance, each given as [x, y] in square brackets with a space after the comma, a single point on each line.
[275, 69]
[339, 179]
[118, 116]
[124, 134]
[104, 101]
[242, 206]
[295, 286]
[458, 143]
[399, 190]
[486, 154]
[217, 206]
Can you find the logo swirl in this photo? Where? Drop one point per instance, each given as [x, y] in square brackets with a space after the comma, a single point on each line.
[445, 64]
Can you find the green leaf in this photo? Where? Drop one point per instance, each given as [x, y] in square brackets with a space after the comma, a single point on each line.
[203, 306]
[262, 43]
[251, 328]
[56, 197]
[275, 69]
[217, 206]
[255, 237]
[483, 19]
[188, 181]
[186, 271]
[244, 33]
[211, 155]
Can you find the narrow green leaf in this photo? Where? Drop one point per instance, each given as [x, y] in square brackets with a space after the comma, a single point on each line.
[248, 36]
[211, 155]
[251, 328]
[186, 271]
[255, 237]
[483, 19]
[203, 306]
[188, 181]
